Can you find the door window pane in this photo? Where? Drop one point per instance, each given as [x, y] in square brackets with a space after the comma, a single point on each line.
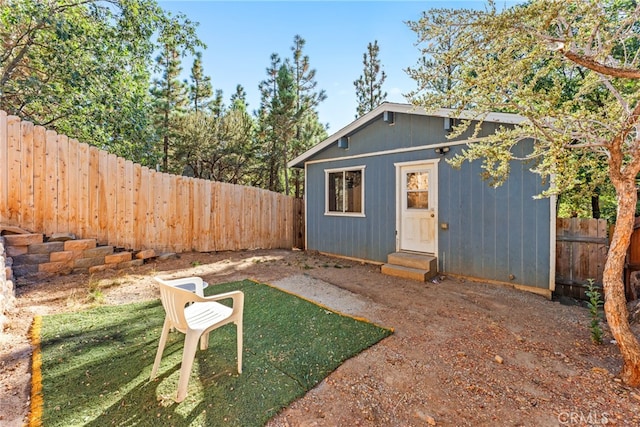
[417, 190]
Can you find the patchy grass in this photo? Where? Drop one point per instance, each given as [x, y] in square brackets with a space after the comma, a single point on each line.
[96, 363]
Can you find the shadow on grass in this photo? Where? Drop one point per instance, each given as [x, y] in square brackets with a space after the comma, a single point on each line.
[96, 363]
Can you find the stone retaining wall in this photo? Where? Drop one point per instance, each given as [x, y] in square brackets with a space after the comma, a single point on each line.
[7, 291]
[32, 255]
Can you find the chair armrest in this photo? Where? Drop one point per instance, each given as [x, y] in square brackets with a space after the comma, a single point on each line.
[236, 296]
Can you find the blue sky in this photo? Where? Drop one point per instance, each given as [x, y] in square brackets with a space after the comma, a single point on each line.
[241, 36]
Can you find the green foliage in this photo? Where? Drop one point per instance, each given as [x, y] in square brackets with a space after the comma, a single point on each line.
[510, 61]
[287, 119]
[215, 147]
[83, 68]
[200, 90]
[594, 304]
[369, 84]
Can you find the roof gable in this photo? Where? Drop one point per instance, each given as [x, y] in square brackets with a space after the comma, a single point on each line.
[398, 108]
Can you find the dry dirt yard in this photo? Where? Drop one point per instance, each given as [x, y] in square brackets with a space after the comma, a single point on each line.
[463, 353]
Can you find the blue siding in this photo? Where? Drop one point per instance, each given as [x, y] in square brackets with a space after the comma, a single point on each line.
[493, 233]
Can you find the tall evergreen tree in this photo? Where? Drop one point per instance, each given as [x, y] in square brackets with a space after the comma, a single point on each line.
[239, 98]
[308, 130]
[170, 94]
[288, 120]
[200, 90]
[369, 84]
[268, 158]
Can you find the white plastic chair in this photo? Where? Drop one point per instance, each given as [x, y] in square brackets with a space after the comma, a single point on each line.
[195, 316]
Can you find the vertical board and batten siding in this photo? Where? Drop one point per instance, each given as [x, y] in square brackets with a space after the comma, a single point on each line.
[50, 183]
[499, 234]
[492, 234]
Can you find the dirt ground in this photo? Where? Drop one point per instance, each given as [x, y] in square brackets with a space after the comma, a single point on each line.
[463, 353]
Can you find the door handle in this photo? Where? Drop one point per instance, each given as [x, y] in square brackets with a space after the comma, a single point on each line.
[433, 215]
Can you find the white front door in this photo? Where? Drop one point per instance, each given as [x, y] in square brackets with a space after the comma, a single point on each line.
[418, 214]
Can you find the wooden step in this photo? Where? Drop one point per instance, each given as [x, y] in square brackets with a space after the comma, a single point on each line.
[411, 260]
[407, 272]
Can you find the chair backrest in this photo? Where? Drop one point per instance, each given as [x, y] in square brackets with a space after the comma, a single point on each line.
[174, 301]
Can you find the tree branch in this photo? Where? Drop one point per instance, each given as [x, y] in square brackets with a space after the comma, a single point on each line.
[593, 65]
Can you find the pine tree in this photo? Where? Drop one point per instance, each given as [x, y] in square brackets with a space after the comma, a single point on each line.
[268, 158]
[369, 84]
[200, 90]
[308, 130]
[239, 99]
[288, 120]
[170, 95]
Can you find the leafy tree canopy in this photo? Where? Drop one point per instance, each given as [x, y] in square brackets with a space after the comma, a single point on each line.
[83, 67]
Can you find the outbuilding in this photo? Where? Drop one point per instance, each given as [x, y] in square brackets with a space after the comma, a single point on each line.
[380, 190]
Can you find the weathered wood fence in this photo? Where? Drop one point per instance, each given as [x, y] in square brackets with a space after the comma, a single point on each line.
[581, 252]
[50, 183]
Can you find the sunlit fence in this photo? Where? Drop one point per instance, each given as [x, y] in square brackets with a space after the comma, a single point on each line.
[50, 183]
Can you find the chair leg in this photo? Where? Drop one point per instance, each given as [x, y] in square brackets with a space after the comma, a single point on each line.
[239, 338]
[161, 345]
[188, 355]
[204, 341]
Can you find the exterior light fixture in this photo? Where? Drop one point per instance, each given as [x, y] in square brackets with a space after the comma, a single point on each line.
[441, 150]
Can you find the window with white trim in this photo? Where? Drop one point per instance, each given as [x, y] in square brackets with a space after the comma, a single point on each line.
[345, 191]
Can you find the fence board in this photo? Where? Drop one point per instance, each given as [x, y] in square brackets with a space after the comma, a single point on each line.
[215, 215]
[136, 175]
[4, 177]
[95, 187]
[103, 197]
[83, 189]
[120, 196]
[74, 187]
[142, 209]
[128, 241]
[62, 214]
[112, 231]
[14, 158]
[39, 177]
[51, 179]
[26, 177]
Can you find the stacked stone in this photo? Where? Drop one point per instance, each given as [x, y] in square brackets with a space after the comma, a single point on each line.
[7, 291]
[64, 255]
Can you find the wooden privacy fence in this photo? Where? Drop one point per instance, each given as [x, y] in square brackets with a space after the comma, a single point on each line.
[581, 252]
[50, 183]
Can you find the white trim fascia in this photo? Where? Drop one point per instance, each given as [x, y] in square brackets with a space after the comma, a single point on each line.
[398, 150]
[416, 162]
[507, 118]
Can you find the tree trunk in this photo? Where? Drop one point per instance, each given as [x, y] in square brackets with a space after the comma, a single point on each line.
[595, 206]
[615, 306]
